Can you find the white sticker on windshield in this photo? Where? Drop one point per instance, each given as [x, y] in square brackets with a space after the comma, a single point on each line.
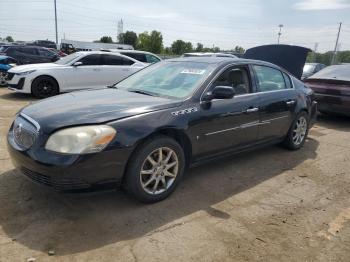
[193, 71]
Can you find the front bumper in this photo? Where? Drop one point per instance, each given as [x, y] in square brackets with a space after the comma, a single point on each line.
[70, 172]
[19, 84]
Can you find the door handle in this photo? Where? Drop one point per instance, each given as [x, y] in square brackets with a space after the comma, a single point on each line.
[291, 102]
[252, 110]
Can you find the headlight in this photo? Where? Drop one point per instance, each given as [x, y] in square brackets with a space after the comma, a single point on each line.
[81, 140]
[25, 73]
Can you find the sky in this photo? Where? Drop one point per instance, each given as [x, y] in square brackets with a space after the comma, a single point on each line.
[223, 23]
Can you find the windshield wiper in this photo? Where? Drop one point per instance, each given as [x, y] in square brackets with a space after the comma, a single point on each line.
[138, 91]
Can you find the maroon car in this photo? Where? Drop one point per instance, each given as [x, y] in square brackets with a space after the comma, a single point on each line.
[332, 89]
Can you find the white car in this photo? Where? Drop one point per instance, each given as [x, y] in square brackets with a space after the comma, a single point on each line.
[81, 70]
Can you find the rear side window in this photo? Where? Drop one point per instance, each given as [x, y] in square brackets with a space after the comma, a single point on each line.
[29, 51]
[91, 60]
[138, 56]
[269, 79]
[115, 60]
[288, 81]
[152, 59]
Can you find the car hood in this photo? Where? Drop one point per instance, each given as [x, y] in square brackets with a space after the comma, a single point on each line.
[24, 68]
[93, 107]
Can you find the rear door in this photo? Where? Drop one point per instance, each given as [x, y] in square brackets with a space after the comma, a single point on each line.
[277, 99]
[115, 68]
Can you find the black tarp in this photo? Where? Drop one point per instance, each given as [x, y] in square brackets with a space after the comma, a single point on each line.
[291, 58]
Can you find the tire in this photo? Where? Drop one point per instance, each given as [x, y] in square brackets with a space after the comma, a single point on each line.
[44, 86]
[144, 186]
[295, 138]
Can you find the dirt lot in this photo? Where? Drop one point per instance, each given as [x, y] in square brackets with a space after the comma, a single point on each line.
[268, 205]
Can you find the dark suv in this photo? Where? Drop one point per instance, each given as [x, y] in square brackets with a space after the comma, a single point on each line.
[29, 54]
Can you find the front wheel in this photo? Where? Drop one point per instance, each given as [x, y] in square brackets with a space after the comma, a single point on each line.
[298, 132]
[3, 76]
[44, 86]
[155, 169]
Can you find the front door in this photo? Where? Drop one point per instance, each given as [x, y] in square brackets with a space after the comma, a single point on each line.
[226, 124]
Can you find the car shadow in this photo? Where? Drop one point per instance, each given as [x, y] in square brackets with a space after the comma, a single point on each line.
[18, 97]
[341, 123]
[42, 219]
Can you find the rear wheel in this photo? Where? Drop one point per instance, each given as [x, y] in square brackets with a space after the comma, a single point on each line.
[297, 133]
[44, 86]
[155, 169]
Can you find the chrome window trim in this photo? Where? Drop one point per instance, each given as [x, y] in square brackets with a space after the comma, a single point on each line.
[246, 125]
[31, 120]
[254, 93]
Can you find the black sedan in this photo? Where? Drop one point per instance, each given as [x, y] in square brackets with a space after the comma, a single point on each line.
[146, 130]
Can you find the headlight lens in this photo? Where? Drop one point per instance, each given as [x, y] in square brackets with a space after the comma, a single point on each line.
[81, 140]
[26, 73]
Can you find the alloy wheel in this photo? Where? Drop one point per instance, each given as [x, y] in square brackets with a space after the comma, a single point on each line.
[299, 131]
[3, 76]
[159, 171]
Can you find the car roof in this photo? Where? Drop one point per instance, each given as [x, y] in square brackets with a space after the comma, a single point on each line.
[219, 60]
[3, 57]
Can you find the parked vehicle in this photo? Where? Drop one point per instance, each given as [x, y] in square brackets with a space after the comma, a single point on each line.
[29, 54]
[69, 46]
[81, 70]
[142, 56]
[332, 89]
[6, 63]
[208, 54]
[148, 128]
[58, 52]
[311, 68]
[44, 43]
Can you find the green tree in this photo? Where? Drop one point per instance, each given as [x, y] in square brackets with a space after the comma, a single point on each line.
[128, 38]
[179, 47]
[239, 50]
[9, 39]
[106, 39]
[199, 47]
[151, 42]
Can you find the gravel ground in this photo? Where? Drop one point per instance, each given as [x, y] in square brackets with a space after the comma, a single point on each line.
[267, 205]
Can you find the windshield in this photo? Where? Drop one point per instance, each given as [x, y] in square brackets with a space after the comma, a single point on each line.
[68, 59]
[168, 79]
[337, 72]
[308, 68]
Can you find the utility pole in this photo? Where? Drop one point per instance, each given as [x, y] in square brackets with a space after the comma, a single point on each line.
[56, 24]
[336, 44]
[279, 33]
[315, 50]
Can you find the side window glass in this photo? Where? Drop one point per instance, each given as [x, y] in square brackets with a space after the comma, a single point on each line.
[127, 61]
[269, 79]
[236, 77]
[288, 81]
[29, 51]
[45, 53]
[90, 60]
[112, 60]
[151, 59]
[138, 56]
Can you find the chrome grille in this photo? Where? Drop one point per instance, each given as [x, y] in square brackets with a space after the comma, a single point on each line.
[24, 133]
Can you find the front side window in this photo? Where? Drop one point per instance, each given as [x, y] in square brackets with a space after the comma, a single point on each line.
[236, 77]
[168, 79]
[29, 51]
[91, 60]
[269, 79]
[138, 56]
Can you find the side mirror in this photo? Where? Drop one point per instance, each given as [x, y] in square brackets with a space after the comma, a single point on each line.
[77, 64]
[220, 92]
